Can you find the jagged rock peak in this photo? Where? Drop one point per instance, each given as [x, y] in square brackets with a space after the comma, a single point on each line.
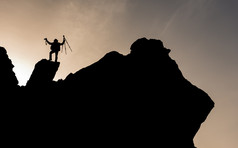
[43, 73]
[7, 75]
[145, 46]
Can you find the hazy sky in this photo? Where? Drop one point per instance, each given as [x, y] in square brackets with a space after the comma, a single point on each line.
[202, 35]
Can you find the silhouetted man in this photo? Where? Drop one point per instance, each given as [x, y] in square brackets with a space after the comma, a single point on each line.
[55, 48]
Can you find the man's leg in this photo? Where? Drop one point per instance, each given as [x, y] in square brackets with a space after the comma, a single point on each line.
[50, 58]
[56, 56]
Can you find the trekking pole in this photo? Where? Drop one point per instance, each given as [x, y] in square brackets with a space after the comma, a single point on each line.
[65, 49]
[67, 43]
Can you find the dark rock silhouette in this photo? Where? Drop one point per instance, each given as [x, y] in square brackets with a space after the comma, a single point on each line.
[43, 74]
[139, 99]
[8, 79]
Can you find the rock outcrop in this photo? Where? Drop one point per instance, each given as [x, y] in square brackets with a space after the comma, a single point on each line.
[8, 80]
[43, 74]
[143, 95]
[140, 99]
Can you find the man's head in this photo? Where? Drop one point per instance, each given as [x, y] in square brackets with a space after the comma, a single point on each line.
[55, 41]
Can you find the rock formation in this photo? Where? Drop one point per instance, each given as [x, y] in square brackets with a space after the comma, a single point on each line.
[140, 99]
[43, 74]
[8, 79]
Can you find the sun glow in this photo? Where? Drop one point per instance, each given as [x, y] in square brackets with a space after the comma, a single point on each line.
[22, 73]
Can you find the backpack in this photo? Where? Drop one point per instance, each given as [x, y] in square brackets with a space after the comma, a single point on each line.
[55, 47]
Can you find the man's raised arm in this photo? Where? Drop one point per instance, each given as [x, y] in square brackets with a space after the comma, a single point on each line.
[47, 41]
[63, 40]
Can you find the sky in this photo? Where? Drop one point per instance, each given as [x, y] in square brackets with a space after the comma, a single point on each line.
[201, 34]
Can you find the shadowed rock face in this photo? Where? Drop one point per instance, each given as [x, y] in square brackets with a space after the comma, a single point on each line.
[43, 74]
[143, 93]
[8, 79]
[139, 99]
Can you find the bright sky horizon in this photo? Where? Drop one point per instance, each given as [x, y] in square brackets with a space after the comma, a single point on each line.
[201, 34]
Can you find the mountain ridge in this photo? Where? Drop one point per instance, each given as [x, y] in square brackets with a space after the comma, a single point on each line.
[139, 99]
